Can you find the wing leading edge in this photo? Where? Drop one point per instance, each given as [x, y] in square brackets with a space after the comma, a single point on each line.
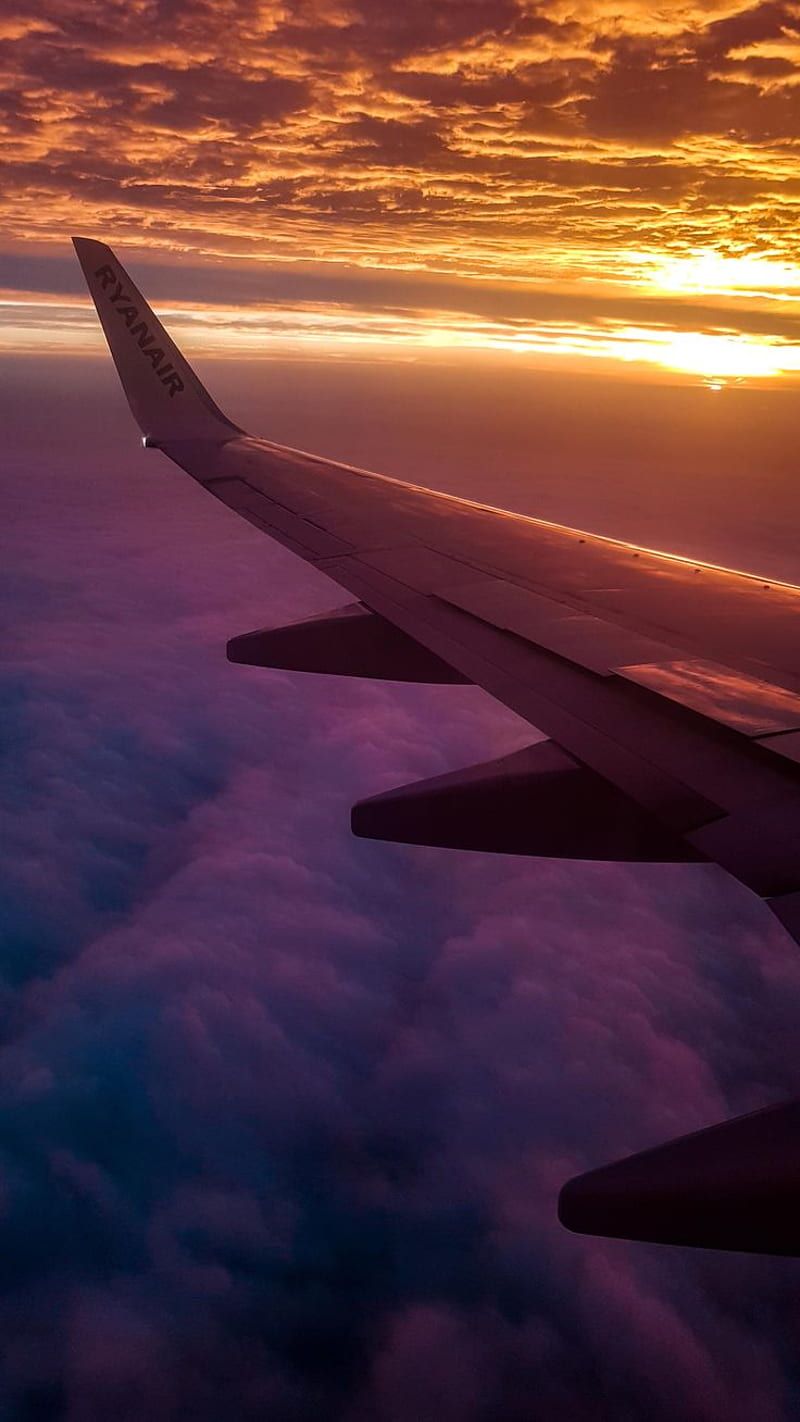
[670, 689]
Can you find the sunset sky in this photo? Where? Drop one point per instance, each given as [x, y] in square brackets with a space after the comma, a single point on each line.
[284, 1114]
[573, 181]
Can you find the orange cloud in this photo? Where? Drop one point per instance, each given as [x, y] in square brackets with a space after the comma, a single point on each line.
[600, 149]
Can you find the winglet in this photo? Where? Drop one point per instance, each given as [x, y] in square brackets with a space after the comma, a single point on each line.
[166, 397]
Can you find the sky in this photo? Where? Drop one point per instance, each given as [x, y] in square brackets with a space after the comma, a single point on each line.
[572, 182]
[284, 1114]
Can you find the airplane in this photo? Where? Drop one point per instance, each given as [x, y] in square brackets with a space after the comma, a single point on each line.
[668, 690]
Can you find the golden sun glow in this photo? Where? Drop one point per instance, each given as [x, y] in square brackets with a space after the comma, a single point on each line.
[712, 356]
[34, 322]
[718, 273]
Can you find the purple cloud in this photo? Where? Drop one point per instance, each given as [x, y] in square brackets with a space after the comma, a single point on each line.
[285, 1114]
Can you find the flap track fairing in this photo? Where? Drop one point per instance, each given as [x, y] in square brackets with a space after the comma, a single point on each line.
[732, 1186]
[352, 641]
[537, 801]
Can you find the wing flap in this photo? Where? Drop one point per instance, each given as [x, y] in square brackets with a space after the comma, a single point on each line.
[734, 699]
[422, 569]
[591, 642]
[785, 745]
[265, 513]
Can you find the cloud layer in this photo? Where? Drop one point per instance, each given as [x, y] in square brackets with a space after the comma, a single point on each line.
[284, 1114]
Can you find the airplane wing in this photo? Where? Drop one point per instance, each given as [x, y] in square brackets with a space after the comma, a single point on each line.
[668, 689]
